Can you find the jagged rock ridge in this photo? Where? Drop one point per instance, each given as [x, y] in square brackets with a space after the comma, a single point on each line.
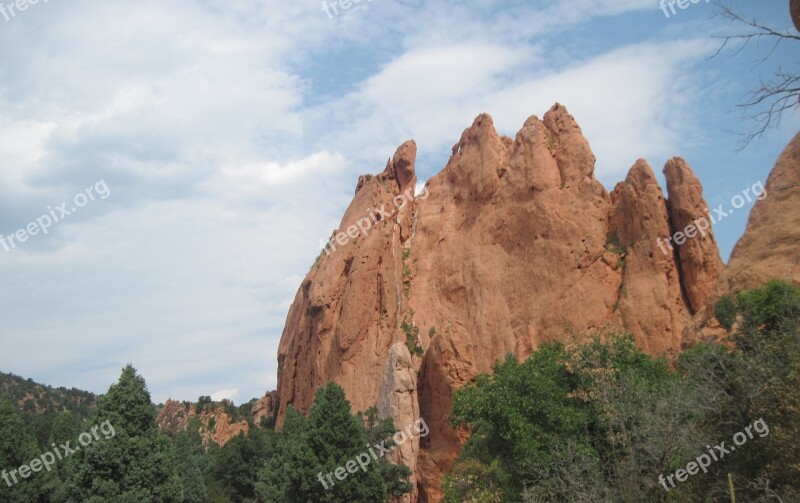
[512, 244]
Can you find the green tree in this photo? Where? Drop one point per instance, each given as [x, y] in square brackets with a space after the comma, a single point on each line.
[517, 415]
[394, 476]
[758, 378]
[235, 466]
[306, 451]
[595, 420]
[191, 460]
[17, 448]
[287, 476]
[131, 461]
[337, 436]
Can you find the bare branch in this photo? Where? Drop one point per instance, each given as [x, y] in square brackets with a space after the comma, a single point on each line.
[765, 104]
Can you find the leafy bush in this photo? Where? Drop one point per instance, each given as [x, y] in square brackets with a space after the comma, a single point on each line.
[725, 312]
[412, 334]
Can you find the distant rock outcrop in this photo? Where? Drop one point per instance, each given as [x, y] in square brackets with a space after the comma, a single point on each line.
[514, 243]
[214, 423]
[265, 407]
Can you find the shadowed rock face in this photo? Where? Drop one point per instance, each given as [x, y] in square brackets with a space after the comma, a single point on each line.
[514, 243]
[688, 212]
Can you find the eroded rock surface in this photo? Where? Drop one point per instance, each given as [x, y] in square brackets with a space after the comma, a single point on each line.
[514, 243]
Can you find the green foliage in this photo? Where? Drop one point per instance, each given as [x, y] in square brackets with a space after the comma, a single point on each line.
[137, 463]
[725, 312]
[518, 414]
[307, 450]
[336, 436]
[412, 335]
[770, 310]
[598, 420]
[757, 379]
[204, 403]
[575, 422]
[18, 448]
[473, 482]
[379, 430]
[40, 405]
[191, 462]
[551, 142]
[287, 474]
[614, 245]
[235, 466]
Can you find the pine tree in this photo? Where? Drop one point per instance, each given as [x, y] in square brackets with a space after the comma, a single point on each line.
[287, 475]
[131, 461]
[17, 448]
[190, 456]
[336, 436]
[305, 452]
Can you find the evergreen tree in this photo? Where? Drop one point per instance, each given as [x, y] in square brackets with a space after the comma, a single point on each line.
[236, 464]
[131, 461]
[190, 456]
[336, 436]
[287, 476]
[378, 430]
[17, 448]
[303, 455]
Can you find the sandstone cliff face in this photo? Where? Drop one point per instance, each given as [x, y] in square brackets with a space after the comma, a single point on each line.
[514, 243]
[346, 314]
[699, 255]
[650, 298]
[398, 399]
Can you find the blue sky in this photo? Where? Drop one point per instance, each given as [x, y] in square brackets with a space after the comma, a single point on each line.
[231, 136]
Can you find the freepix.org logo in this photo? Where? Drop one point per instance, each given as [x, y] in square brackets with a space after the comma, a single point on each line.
[10, 11]
[59, 453]
[55, 215]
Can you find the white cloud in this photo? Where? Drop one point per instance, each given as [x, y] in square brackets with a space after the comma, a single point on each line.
[225, 394]
[232, 134]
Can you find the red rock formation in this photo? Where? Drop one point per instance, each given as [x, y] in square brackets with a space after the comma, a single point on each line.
[770, 246]
[215, 424]
[699, 257]
[649, 267]
[346, 314]
[514, 243]
[398, 400]
[265, 407]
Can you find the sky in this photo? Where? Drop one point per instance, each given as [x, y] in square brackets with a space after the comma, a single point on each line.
[204, 148]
